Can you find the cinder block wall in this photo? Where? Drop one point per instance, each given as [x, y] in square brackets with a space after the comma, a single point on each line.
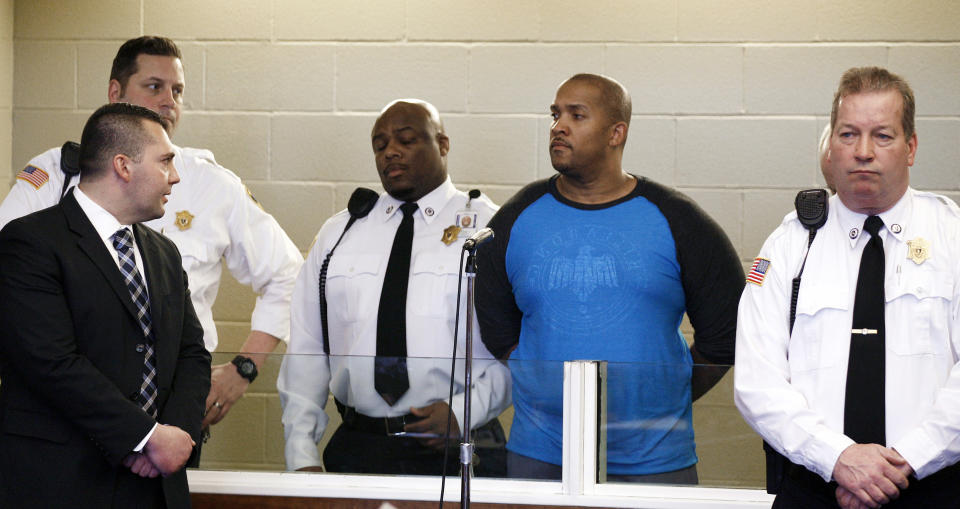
[6, 93]
[729, 99]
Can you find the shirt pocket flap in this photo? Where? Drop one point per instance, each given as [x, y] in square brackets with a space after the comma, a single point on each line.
[193, 250]
[435, 262]
[818, 295]
[353, 264]
[922, 283]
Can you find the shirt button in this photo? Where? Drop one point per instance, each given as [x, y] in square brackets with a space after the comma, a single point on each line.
[428, 211]
[141, 348]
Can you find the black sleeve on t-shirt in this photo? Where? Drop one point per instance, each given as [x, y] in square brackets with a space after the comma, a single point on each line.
[497, 310]
[710, 271]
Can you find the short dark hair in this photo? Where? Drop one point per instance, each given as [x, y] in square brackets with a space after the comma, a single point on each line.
[616, 99]
[125, 63]
[113, 129]
[859, 80]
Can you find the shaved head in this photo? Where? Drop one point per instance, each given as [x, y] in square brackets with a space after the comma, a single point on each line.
[614, 97]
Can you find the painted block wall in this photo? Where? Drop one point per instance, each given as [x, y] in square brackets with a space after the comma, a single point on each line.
[729, 100]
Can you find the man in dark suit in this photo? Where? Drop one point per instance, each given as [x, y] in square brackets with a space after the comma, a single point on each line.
[101, 354]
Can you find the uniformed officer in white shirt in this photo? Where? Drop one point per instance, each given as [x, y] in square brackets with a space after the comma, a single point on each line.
[410, 148]
[792, 387]
[211, 217]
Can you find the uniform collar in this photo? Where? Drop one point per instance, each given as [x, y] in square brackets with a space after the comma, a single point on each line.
[429, 206]
[894, 220]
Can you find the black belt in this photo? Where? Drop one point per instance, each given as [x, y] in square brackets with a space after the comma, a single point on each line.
[379, 425]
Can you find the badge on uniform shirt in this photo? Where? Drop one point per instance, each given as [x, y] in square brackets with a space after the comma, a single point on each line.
[467, 219]
[758, 271]
[450, 234]
[918, 250]
[184, 220]
[33, 176]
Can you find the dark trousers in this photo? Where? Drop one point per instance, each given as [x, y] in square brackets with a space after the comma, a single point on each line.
[355, 451]
[802, 489]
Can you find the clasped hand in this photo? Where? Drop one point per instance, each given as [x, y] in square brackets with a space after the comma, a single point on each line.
[870, 475]
[166, 452]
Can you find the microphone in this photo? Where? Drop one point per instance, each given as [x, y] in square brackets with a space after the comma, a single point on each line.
[361, 202]
[482, 235]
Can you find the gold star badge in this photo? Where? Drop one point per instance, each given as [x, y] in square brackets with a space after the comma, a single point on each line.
[918, 250]
[450, 234]
[184, 219]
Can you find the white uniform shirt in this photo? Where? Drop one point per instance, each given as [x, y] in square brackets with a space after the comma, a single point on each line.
[354, 280]
[790, 388]
[226, 225]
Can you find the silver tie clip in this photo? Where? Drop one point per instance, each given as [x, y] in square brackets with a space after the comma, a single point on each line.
[863, 331]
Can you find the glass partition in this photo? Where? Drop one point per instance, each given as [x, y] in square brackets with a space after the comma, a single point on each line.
[655, 436]
[644, 418]
[376, 438]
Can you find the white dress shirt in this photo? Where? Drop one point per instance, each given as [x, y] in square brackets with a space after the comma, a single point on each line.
[790, 388]
[354, 280]
[227, 225]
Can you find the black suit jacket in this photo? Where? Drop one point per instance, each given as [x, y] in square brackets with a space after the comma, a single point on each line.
[70, 368]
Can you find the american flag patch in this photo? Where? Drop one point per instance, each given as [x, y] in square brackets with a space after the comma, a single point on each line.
[758, 271]
[35, 176]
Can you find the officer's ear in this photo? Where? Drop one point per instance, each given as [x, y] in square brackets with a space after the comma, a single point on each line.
[444, 141]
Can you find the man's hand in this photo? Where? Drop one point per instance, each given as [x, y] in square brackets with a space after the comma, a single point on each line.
[871, 473]
[226, 387]
[435, 422]
[226, 384]
[140, 465]
[313, 468]
[168, 449]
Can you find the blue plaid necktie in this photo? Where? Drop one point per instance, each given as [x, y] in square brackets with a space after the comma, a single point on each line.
[123, 242]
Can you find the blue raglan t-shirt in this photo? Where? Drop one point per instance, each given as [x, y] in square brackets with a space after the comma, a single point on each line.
[564, 281]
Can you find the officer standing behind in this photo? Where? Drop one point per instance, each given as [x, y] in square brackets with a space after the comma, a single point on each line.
[390, 290]
[863, 395]
[211, 217]
[597, 263]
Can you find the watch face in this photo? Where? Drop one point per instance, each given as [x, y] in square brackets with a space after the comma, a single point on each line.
[245, 367]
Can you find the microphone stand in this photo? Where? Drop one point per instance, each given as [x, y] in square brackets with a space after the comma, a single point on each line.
[466, 446]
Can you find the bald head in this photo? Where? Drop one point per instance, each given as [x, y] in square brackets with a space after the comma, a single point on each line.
[614, 97]
[410, 149]
[413, 104]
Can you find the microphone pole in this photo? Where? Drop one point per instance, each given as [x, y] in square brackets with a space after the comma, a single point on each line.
[466, 446]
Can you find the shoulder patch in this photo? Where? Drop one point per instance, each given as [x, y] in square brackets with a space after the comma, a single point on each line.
[758, 271]
[36, 177]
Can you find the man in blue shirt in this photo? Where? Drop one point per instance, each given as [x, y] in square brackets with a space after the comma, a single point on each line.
[598, 263]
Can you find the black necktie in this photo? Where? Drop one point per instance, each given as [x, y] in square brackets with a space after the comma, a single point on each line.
[390, 370]
[864, 408]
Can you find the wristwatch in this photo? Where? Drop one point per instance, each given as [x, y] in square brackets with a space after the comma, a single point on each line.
[245, 367]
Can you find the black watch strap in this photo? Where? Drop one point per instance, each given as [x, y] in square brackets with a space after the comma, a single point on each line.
[245, 367]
